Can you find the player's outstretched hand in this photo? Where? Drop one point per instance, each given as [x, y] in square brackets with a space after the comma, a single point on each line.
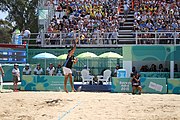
[75, 61]
[77, 40]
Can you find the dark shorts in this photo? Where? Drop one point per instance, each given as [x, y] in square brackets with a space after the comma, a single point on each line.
[15, 79]
[136, 86]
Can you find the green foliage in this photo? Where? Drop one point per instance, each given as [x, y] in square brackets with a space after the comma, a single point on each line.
[23, 12]
[5, 31]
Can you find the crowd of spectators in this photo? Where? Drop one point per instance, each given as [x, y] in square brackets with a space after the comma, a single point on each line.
[159, 68]
[157, 15]
[95, 19]
[89, 18]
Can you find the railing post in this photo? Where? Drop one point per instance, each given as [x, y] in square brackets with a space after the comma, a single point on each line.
[136, 38]
[42, 36]
[79, 37]
[116, 37]
[175, 37]
[98, 37]
[60, 38]
[155, 37]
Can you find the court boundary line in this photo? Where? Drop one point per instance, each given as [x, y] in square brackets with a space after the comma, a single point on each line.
[69, 111]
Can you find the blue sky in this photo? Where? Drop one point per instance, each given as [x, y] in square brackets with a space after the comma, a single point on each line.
[3, 15]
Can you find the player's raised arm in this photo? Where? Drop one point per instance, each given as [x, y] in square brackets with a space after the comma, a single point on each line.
[74, 48]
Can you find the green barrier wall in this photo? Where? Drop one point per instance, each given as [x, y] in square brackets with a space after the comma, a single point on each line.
[149, 85]
[174, 86]
[43, 82]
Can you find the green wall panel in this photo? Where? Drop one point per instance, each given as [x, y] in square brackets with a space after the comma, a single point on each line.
[151, 53]
[174, 86]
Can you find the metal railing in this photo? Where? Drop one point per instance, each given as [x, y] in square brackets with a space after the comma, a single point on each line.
[101, 39]
[170, 37]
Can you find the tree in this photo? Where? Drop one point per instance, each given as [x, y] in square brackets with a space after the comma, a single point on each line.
[22, 12]
[5, 31]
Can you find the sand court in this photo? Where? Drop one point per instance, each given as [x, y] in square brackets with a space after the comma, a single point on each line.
[88, 106]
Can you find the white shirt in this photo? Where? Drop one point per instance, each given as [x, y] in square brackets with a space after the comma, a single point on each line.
[27, 71]
[16, 72]
[50, 71]
[38, 72]
[26, 33]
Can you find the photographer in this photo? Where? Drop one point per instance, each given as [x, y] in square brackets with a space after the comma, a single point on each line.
[136, 83]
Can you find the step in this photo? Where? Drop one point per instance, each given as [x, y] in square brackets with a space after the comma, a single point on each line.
[129, 20]
[128, 23]
[125, 32]
[130, 12]
[127, 27]
[128, 16]
[125, 36]
[128, 31]
[126, 41]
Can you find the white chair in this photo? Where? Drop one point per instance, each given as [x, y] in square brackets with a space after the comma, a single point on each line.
[105, 77]
[86, 77]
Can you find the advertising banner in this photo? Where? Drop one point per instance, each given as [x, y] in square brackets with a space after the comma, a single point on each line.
[43, 82]
[122, 85]
[149, 85]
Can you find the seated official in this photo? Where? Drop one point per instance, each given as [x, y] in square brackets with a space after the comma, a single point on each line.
[50, 70]
[27, 70]
[38, 70]
[116, 69]
[59, 70]
[136, 83]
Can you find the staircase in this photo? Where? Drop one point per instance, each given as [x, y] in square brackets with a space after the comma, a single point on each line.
[125, 33]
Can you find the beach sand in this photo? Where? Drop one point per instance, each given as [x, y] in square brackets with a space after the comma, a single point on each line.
[88, 106]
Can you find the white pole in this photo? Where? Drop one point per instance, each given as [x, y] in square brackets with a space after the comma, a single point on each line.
[87, 64]
[110, 63]
[127, 65]
[45, 66]
[171, 69]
